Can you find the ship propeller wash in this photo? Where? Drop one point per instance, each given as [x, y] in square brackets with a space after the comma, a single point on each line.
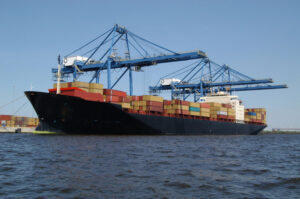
[87, 107]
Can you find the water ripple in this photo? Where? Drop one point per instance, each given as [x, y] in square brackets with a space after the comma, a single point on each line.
[263, 166]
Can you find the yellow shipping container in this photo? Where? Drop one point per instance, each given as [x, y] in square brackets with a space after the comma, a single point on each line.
[85, 89]
[73, 84]
[136, 108]
[259, 110]
[194, 113]
[143, 103]
[80, 84]
[135, 103]
[152, 98]
[213, 112]
[94, 90]
[231, 113]
[205, 110]
[258, 114]
[182, 107]
[96, 86]
[223, 109]
[125, 105]
[214, 104]
[195, 104]
[215, 108]
[170, 111]
[167, 107]
[62, 85]
[204, 114]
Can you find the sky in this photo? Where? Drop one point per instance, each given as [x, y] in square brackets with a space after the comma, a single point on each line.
[259, 38]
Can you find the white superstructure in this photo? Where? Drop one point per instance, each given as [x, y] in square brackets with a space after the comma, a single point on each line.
[225, 98]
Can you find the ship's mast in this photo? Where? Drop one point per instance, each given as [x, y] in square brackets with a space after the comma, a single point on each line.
[58, 76]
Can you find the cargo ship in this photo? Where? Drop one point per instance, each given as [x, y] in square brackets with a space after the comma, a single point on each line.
[81, 107]
[17, 124]
[87, 108]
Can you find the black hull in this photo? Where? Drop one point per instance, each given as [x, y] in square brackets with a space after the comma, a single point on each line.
[68, 114]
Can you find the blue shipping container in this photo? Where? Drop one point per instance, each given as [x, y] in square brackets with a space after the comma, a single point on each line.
[196, 109]
[252, 113]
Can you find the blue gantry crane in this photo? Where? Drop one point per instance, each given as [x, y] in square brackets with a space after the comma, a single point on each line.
[136, 55]
[199, 78]
[205, 77]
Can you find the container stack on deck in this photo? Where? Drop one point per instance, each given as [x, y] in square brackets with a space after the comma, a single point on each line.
[256, 115]
[148, 104]
[178, 107]
[18, 121]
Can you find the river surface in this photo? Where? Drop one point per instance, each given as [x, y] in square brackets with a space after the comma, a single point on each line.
[67, 166]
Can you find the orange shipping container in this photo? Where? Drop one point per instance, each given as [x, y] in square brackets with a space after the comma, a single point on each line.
[204, 105]
[114, 92]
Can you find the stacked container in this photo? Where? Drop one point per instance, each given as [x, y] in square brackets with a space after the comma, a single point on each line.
[217, 111]
[257, 115]
[118, 97]
[204, 110]
[194, 109]
[149, 104]
[18, 121]
[230, 111]
[178, 107]
[96, 88]
[82, 85]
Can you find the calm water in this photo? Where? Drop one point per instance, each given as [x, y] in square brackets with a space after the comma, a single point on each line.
[61, 166]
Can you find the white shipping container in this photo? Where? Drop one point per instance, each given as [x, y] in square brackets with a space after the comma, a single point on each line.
[221, 113]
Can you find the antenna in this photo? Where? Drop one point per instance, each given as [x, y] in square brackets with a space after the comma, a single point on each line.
[58, 76]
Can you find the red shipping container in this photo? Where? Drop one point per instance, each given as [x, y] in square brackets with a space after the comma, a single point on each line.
[204, 105]
[226, 106]
[77, 92]
[135, 98]
[154, 108]
[183, 112]
[5, 117]
[142, 112]
[112, 98]
[152, 103]
[231, 117]
[53, 90]
[114, 92]
[125, 99]
[222, 117]
[181, 102]
[94, 97]
[167, 102]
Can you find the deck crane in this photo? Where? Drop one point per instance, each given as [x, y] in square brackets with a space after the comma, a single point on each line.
[206, 77]
[136, 51]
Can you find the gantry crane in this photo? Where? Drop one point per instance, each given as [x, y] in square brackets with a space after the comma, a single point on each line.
[134, 46]
[206, 77]
[200, 78]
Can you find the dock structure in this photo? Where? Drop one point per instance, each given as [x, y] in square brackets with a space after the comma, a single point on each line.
[291, 130]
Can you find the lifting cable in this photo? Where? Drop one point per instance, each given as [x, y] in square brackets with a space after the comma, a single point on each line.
[12, 101]
[20, 108]
[88, 43]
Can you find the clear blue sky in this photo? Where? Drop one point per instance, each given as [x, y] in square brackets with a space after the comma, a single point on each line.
[259, 38]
